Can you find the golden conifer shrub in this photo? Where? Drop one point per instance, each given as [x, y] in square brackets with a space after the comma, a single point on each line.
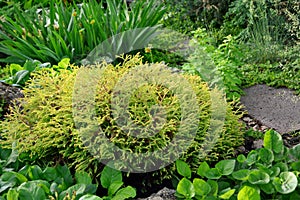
[44, 124]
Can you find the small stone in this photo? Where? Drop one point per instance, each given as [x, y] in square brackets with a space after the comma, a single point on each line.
[264, 128]
[257, 144]
[256, 127]
[247, 119]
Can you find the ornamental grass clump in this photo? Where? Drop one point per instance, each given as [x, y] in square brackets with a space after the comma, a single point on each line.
[45, 126]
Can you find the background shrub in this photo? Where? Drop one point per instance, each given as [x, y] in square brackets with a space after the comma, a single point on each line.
[44, 126]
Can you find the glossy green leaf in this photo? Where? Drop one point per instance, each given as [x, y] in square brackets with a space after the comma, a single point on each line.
[213, 173]
[252, 157]
[83, 177]
[285, 183]
[268, 188]
[114, 187]
[31, 191]
[226, 167]
[273, 141]
[258, 177]
[266, 155]
[49, 173]
[183, 168]
[125, 193]
[241, 174]
[214, 187]
[295, 151]
[90, 197]
[203, 168]
[201, 187]
[248, 193]
[110, 175]
[241, 158]
[186, 188]
[226, 194]
[12, 194]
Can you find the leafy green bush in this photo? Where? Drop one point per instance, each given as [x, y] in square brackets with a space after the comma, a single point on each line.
[271, 172]
[226, 58]
[192, 14]
[70, 31]
[44, 126]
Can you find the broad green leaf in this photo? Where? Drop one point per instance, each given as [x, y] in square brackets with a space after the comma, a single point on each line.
[125, 193]
[226, 194]
[183, 169]
[185, 187]
[241, 158]
[241, 175]
[295, 151]
[268, 188]
[226, 167]
[296, 165]
[252, 157]
[64, 172]
[203, 168]
[201, 187]
[13, 155]
[273, 141]
[49, 174]
[282, 166]
[35, 172]
[78, 189]
[31, 191]
[213, 173]
[114, 187]
[12, 194]
[214, 187]
[14, 68]
[285, 183]
[83, 177]
[258, 177]
[110, 175]
[90, 197]
[266, 155]
[248, 193]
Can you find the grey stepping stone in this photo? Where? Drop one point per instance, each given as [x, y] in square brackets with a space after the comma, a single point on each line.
[276, 108]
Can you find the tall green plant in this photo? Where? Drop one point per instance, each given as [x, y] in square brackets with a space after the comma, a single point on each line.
[72, 31]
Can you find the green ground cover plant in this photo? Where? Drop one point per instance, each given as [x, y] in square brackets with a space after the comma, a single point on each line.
[21, 181]
[44, 126]
[271, 172]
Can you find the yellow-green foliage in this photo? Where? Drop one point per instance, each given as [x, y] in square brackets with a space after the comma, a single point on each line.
[45, 127]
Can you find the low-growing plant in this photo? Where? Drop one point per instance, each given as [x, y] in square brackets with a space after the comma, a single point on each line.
[55, 183]
[19, 75]
[44, 125]
[271, 172]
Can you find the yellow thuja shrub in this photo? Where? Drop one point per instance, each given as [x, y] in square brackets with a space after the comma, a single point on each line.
[43, 125]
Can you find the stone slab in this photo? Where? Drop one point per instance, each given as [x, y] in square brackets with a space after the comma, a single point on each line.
[277, 108]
